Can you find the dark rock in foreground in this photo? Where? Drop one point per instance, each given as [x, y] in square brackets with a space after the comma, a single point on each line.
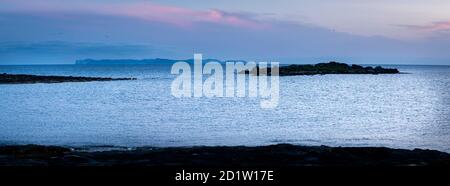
[323, 68]
[23, 78]
[282, 155]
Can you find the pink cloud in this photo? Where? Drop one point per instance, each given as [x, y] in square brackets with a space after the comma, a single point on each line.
[435, 26]
[142, 10]
[179, 16]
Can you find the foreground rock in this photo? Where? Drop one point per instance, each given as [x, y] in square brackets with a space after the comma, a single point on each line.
[323, 68]
[282, 155]
[22, 78]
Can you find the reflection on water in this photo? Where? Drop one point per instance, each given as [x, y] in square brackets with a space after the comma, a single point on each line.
[402, 110]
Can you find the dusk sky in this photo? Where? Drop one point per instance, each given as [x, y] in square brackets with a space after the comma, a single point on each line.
[288, 31]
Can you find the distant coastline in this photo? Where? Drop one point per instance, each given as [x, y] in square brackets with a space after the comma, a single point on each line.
[142, 61]
[331, 67]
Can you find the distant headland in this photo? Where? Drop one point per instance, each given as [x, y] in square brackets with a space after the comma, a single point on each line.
[323, 68]
[142, 61]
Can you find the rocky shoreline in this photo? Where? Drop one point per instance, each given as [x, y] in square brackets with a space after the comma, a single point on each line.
[322, 69]
[27, 79]
[281, 155]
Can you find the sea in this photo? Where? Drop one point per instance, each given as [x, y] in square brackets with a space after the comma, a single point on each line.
[408, 110]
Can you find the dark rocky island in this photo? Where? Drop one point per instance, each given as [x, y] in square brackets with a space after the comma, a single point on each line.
[282, 155]
[323, 68]
[23, 78]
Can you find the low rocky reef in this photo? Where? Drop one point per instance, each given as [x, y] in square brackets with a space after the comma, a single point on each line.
[23, 79]
[281, 155]
[322, 68]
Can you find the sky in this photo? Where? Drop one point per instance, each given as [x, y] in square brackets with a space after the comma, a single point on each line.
[287, 31]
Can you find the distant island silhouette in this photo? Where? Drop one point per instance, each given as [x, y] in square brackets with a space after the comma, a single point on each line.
[143, 61]
[25, 79]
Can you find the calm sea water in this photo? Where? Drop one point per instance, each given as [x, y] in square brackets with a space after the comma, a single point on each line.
[401, 111]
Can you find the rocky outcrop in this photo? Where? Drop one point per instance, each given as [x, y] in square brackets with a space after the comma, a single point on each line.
[323, 68]
[284, 155]
[23, 78]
